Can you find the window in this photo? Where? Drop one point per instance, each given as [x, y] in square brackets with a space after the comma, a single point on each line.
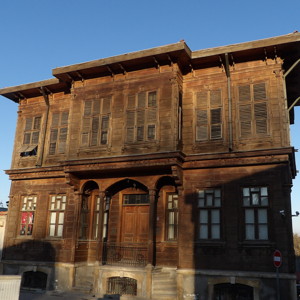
[27, 214]
[209, 206]
[31, 136]
[90, 216]
[135, 199]
[255, 203]
[59, 132]
[95, 123]
[253, 110]
[208, 115]
[172, 217]
[141, 116]
[57, 214]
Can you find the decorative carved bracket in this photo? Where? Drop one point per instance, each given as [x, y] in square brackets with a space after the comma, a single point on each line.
[72, 180]
[177, 175]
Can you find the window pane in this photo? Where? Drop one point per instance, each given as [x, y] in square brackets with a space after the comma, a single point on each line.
[263, 232]
[52, 218]
[215, 231]
[217, 202]
[203, 216]
[215, 216]
[201, 202]
[246, 201]
[246, 192]
[262, 216]
[203, 234]
[61, 218]
[209, 199]
[59, 230]
[264, 201]
[171, 233]
[171, 217]
[249, 216]
[264, 191]
[250, 232]
[52, 230]
[255, 199]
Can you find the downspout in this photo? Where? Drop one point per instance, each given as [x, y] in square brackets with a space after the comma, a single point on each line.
[230, 148]
[43, 138]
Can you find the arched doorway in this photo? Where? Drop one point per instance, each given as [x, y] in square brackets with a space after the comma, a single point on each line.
[227, 291]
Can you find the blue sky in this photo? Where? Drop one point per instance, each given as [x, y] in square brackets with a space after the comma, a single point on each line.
[39, 35]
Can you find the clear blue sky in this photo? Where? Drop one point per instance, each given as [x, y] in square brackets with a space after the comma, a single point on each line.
[38, 35]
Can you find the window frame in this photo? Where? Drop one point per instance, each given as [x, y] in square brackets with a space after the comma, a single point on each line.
[208, 114]
[209, 205]
[57, 206]
[172, 209]
[31, 136]
[253, 109]
[27, 215]
[256, 210]
[95, 124]
[141, 117]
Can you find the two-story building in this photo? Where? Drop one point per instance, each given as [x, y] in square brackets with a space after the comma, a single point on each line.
[164, 173]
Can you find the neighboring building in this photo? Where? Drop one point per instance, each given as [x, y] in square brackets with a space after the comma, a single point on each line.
[3, 216]
[163, 173]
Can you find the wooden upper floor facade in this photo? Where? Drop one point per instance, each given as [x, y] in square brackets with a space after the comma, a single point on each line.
[168, 99]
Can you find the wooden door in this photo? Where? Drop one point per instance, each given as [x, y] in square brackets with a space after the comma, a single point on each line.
[135, 224]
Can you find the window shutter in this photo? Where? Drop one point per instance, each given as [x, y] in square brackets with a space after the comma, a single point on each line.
[35, 137]
[106, 105]
[215, 98]
[216, 123]
[201, 127]
[104, 129]
[130, 126]
[259, 91]
[140, 125]
[55, 120]
[62, 140]
[64, 118]
[53, 139]
[244, 93]
[260, 113]
[96, 107]
[245, 120]
[37, 123]
[152, 99]
[95, 130]
[85, 131]
[142, 100]
[87, 108]
[201, 99]
[28, 125]
[131, 102]
[26, 140]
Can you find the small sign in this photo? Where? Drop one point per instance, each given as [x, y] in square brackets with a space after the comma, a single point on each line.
[277, 258]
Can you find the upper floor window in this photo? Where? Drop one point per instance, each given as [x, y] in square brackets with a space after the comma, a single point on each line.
[208, 115]
[95, 122]
[253, 109]
[31, 136]
[209, 212]
[141, 117]
[27, 214]
[255, 203]
[59, 132]
[172, 217]
[57, 214]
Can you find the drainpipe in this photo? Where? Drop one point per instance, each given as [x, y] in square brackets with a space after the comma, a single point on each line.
[229, 102]
[43, 138]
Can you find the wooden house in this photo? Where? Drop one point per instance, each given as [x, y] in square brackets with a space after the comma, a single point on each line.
[160, 174]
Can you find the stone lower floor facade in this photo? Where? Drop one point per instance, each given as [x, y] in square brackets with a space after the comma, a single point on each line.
[150, 282]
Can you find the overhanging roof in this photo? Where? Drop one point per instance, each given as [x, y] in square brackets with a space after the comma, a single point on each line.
[286, 47]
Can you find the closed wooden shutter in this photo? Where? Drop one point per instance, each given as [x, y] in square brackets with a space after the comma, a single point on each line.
[95, 131]
[140, 124]
[55, 120]
[141, 100]
[259, 91]
[130, 122]
[64, 118]
[245, 120]
[53, 140]
[28, 125]
[85, 131]
[63, 133]
[215, 98]
[201, 125]
[106, 105]
[244, 93]
[152, 99]
[216, 123]
[27, 138]
[131, 102]
[96, 107]
[104, 129]
[260, 113]
[87, 108]
[35, 137]
[37, 123]
[201, 99]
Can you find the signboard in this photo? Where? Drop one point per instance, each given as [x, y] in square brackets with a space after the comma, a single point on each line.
[277, 258]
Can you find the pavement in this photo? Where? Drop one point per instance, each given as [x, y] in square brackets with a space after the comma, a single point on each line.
[56, 295]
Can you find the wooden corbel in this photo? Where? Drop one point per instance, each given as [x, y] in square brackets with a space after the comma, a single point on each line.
[177, 175]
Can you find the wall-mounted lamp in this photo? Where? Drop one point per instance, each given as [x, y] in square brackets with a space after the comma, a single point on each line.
[282, 213]
[296, 214]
